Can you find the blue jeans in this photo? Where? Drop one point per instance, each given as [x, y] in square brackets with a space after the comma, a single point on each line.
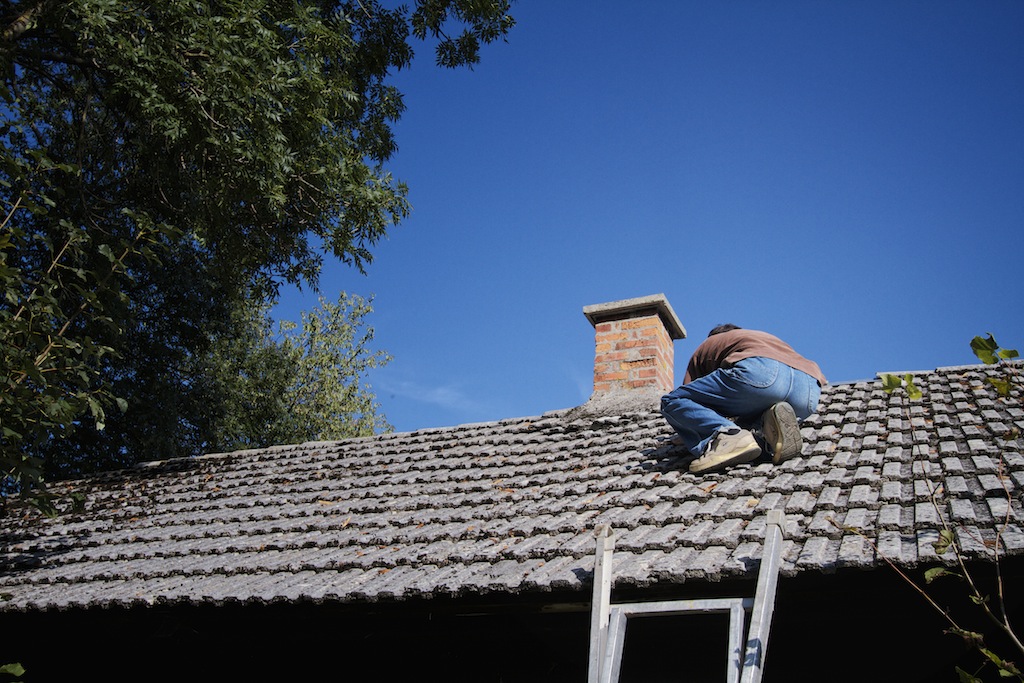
[740, 394]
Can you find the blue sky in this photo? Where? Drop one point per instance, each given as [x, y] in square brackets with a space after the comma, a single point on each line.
[846, 175]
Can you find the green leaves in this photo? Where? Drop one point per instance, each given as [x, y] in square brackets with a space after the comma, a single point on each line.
[304, 383]
[938, 573]
[891, 383]
[485, 22]
[945, 542]
[164, 165]
[988, 351]
[1005, 667]
[12, 669]
[985, 348]
[329, 398]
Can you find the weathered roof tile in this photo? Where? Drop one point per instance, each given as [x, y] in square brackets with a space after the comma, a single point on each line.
[510, 506]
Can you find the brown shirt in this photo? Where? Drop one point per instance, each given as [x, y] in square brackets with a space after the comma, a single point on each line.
[728, 348]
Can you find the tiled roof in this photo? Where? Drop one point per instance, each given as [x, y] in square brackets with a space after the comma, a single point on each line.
[510, 507]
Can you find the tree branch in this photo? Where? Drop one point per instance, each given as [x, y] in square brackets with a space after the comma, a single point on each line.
[24, 22]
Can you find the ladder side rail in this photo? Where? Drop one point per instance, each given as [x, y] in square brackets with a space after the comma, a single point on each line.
[764, 599]
[601, 600]
[734, 653]
[608, 624]
[614, 642]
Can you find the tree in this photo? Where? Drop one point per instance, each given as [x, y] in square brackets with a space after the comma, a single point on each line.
[163, 166]
[304, 384]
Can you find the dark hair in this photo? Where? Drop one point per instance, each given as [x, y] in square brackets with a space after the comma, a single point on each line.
[719, 329]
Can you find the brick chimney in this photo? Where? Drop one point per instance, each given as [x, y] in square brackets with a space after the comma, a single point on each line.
[633, 345]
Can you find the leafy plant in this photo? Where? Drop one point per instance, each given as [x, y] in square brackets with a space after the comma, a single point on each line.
[892, 382]
[988, 351]
[166, 166]
[307, 382]
[15, 669]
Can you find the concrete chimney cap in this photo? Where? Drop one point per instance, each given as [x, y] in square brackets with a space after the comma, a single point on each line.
[630, 308]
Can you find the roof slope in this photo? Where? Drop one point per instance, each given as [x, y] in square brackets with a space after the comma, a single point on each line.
[511, 506]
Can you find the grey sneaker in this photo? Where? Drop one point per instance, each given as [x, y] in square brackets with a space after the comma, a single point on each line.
[782, 432]
[727, 450]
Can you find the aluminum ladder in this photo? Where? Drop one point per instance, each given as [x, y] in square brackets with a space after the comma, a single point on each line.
[608, 621]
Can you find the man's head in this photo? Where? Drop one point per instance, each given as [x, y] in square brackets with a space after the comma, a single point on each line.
[719, 329]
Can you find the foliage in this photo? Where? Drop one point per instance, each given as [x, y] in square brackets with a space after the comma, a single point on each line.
[12, 670]
[893, 382]
[56, 334]
[304, 384]
[166, 165]
[250, 387]
[989, 352]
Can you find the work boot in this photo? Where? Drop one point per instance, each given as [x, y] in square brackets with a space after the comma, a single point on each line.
[781, 432]
[725, 450]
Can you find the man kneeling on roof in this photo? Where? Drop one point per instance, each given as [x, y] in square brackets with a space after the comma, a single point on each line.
[743, 377]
